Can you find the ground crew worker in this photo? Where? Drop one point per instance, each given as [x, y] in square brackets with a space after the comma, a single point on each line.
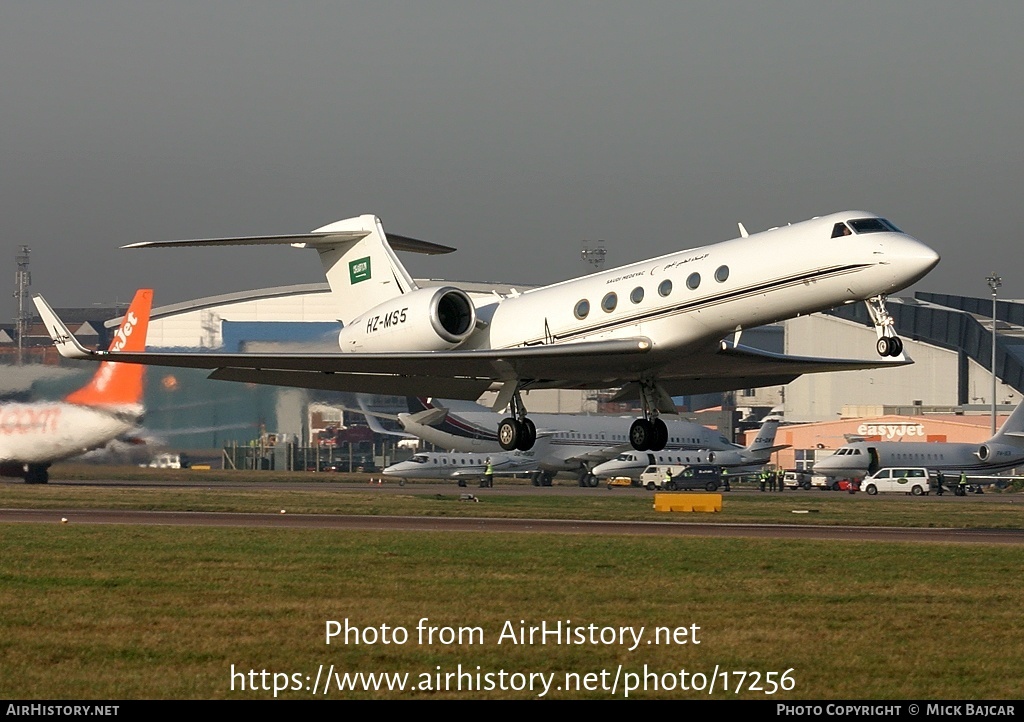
[938, 483]
[668, 478]
[488, 474]
[961, 487]
[764, 479]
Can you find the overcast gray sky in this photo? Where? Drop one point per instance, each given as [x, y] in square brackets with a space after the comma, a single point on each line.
[510, 130]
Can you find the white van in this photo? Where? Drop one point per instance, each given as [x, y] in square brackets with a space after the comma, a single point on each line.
[169, 461]
[913, 480]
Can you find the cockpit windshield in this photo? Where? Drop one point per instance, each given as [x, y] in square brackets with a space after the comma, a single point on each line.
[873, 225]
[863, 225]
[419, 459]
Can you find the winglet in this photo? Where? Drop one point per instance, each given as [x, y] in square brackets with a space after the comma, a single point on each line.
[63, 339]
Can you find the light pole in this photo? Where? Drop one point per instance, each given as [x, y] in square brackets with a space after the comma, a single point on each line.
[994, 282]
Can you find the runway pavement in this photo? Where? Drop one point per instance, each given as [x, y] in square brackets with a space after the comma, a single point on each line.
[548, 526]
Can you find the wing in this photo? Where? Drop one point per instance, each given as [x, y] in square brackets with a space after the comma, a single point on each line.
[714, 366]
[731, 367]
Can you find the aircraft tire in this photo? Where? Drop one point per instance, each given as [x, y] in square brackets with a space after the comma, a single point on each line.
[883, 346]
[895, 346]
[592, 481]
[509, 431]
[545, 478]
[641, 434]
[660, 438]
[37, 475]
[528, 435]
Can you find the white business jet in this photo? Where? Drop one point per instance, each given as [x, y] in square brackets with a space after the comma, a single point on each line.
[462, 466]
[34, 435]
[654, 329]
[751, 457]
[1003, 451]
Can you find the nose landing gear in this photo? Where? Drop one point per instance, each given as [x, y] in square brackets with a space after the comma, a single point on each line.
[888, 344]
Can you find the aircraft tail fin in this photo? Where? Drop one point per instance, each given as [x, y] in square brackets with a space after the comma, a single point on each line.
[1014, 424]
[120, 384]
[416, 404]
[765, 438]
[358, 259]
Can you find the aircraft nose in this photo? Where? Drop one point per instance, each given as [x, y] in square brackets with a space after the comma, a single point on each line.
[913, 258]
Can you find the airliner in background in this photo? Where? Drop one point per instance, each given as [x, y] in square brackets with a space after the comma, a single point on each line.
[752, 457]
[654, 329]
[573, 442]
[1003, 451]
[34, 435]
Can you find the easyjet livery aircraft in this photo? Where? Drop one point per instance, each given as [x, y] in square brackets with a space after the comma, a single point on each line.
[34, 435]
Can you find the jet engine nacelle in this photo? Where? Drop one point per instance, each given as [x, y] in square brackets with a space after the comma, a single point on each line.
[427, 319]
[996, 453]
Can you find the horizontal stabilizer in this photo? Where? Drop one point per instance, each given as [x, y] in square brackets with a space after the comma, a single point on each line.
[305, 240]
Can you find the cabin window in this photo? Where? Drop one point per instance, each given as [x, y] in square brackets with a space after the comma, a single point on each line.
[665, 287]
[693, 281]
[722, 274]
[609, 302]
[582, 309]
[637, 295]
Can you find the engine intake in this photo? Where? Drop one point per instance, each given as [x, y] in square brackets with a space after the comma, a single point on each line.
[427, 319]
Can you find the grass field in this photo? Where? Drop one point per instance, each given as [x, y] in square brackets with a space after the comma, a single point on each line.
[127, 612]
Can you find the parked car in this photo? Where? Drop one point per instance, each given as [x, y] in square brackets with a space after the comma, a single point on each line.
[913, 480]
[797, 479]
[683, 478]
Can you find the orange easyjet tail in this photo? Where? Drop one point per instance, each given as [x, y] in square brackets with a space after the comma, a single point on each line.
[117, 384]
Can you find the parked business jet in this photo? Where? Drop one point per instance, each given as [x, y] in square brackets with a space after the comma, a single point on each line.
[574, 442]
[1003, 451]
[755, 455]
[654, 329]
[34, 435]
[455, 465]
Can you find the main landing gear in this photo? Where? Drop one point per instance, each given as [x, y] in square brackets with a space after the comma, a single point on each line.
[517, 431]
[36, 474]
[649, 433]
[888, 344]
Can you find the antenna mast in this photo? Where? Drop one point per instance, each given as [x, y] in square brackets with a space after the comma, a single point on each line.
[22, 280]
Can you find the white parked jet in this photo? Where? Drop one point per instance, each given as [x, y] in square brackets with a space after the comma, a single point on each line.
[34, 435]
[574, 442]
[655, 329]
[455, 465]
[1003, 451]
[756, 454]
